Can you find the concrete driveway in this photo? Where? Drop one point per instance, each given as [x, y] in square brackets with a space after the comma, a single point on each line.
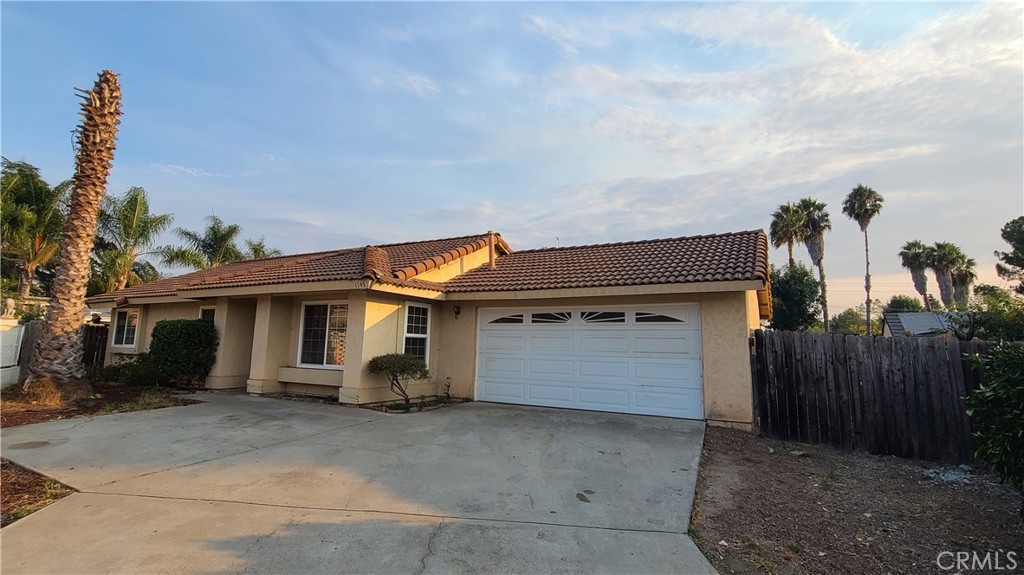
[246, 484]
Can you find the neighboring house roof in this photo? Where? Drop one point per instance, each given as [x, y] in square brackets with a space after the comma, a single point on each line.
[916, 323]
[723, 257]
[739, 256]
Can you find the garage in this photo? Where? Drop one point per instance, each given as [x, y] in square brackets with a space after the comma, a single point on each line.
[627, 359]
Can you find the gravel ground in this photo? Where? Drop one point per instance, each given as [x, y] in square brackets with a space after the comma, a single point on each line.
[766, 506]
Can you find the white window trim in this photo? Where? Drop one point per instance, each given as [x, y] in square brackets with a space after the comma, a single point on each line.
[405, 328]
[138, 324]
[302, 330]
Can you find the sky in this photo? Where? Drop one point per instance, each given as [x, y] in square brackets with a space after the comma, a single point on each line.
[326, 125]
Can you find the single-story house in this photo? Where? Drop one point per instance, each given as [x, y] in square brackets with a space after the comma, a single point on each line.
[916, 324]
[657, 327]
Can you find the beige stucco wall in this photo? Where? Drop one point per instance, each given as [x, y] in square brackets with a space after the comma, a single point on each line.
[271, 343]
[725, 328]
[235, 320]
[148, 316]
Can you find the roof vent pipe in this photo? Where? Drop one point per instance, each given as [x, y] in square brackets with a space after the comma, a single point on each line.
[490, 248]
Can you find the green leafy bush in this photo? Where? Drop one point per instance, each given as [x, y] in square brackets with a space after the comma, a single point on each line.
[183, 351]
[139, 371]
[997, 413]
[398, 368]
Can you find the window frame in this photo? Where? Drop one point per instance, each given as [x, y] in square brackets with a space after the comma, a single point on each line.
[405, 329]
[209, 307]
[302, 330]
[135, 334]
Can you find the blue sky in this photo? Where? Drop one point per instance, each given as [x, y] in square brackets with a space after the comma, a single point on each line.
[326, 125]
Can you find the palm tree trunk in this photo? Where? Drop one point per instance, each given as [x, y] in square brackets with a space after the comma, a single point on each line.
[57, 365]
[867, 284]
[792, 260]
[945, 280]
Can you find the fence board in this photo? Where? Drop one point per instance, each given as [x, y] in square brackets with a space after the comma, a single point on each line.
[891, 396]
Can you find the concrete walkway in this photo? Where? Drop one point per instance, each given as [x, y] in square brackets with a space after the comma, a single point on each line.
[245, 484]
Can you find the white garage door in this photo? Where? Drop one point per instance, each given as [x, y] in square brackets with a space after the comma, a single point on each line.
[630, 359]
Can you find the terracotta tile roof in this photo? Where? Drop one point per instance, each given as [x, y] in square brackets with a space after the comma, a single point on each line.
[721, 257]
[347, 264]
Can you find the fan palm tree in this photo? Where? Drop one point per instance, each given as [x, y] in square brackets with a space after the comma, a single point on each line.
[257, 249]
[58, 355]
[127, 228]
[963, 277]
[33, 220]
[785, 228]
[945, 257]
[861, 205]
[213, 247]
[816, 222]
[914, 257]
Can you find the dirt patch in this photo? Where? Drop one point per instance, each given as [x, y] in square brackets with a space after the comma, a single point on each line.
[108, 398]
[766, 506]
[24, 492]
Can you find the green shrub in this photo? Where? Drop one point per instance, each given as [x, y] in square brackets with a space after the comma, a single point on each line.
[997, 413]
[183, 351]
[139, 371]
[398, 368]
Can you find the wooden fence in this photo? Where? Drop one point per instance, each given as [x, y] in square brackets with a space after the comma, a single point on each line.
[94, 344]
[889, 396]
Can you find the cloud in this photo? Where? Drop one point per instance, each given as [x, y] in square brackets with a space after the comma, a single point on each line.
[420, 84]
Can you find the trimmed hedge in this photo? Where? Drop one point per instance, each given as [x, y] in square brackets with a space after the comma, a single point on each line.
[183, 351]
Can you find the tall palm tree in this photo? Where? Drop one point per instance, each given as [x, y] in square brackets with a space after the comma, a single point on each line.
[861, 205]
[945, 257]
[963, 277]
[787, 222]
[127, 229]
[816, 222]
[213, 247]
[257, 249]
[58, 355]
[33, 220]
[915, 257]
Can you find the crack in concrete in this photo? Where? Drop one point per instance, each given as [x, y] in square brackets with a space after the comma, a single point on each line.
[388, 513]
[430, 547]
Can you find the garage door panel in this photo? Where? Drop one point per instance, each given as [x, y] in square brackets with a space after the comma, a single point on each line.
[503, 390]
[594, 360]
[550, 342]
[549, 393]
[590, 368]
[605, 343]
[503, 342]
[515, 366]
[547, 367]
[602, 397]
[677, 345]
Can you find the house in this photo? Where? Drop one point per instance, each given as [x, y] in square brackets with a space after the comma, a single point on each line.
[658, 327]
[915, 324]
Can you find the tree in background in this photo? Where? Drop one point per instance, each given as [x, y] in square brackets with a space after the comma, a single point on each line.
[33, 218]
[943, 258]
[1011, 264]
[213, 247]
[816, 222]
[127, 229]
[902, 303]
[915, 257]
[257, 249]
[786, 227]
[795, 298]
[861, 205]
[994, 314]
[851, 320]
[963, 277]
[55, 375]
